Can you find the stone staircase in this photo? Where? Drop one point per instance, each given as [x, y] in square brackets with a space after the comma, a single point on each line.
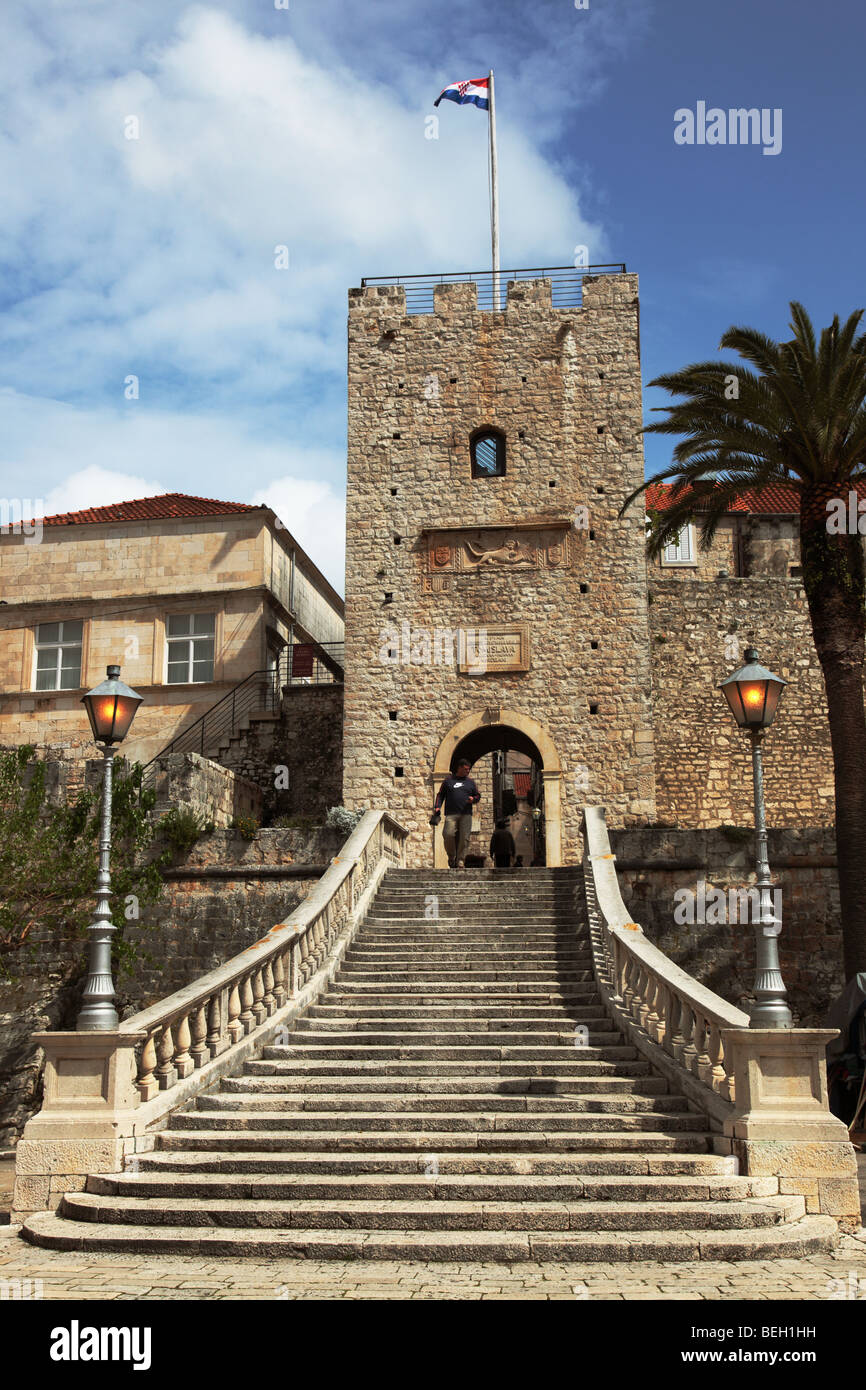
[457, 1093]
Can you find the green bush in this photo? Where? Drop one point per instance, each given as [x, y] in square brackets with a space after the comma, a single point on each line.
[181, 826]
[49, 858]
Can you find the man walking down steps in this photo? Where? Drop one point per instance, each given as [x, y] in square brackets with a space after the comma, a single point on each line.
[459, 794]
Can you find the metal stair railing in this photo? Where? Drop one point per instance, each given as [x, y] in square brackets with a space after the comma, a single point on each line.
[258, 693]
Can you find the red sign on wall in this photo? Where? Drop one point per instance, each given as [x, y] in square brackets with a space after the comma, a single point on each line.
[302, 659]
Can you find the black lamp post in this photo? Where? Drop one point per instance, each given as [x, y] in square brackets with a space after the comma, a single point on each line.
[753, 695]
[110, 708]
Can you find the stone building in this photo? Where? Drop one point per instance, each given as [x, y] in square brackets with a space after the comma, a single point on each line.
[495, 598]
[190, 596]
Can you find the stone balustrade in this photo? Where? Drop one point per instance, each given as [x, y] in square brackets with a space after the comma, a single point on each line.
[762, 1090]
[108, 1093]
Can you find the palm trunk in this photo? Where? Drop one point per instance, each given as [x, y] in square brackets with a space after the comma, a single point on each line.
[833, 575]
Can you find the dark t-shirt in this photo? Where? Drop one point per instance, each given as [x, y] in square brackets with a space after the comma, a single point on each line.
[458, 794]
[502, 842]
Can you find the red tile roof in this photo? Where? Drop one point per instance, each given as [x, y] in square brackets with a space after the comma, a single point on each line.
[168, 504]
[522, 784]
[774, 500]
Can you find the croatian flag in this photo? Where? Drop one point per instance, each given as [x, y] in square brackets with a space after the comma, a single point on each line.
[474, 91]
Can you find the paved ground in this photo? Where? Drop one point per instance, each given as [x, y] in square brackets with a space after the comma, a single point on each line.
[72, 1276]
[65, 1275]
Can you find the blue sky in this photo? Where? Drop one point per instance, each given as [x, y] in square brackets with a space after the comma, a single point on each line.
[153, 257]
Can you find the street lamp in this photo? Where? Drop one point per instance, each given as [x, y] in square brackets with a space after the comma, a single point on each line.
[753, 695]
[110, 708]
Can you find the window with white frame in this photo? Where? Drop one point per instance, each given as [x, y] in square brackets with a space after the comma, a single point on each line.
[190, 645]
[58, 655]
[682, 550]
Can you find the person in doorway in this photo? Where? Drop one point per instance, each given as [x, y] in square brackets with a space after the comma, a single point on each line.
[458, 794]
[502, 847]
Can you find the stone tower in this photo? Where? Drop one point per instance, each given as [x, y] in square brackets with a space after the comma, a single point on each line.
[495, 600]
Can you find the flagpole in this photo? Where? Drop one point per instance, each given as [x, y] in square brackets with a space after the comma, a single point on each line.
[494, 195]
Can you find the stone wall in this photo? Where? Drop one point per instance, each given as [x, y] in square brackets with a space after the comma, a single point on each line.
[214, 792]
[563, 385]
[307, 740]
[653, 865]
[699, 633]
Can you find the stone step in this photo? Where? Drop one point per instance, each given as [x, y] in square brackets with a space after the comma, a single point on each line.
[404, 1187]
[335, 1064]
[251, 1099]
[810, 1235]
[442, 945]
[434, 1141]
[475, 941]
[435, 1016]
[432, 1214]
[577, 989]
[632, 1164]
[293, 1123]
[373, 1084]
[431, 975]
[439, 957]
[346, 1051]
[516, 1029]
[331, 1007]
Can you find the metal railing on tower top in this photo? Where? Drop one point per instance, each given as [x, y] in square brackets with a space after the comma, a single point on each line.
[566, 283]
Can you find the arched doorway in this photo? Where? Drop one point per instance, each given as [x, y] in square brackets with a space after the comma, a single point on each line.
[491, 731]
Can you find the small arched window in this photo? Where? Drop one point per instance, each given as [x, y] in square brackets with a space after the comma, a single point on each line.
[487, 448]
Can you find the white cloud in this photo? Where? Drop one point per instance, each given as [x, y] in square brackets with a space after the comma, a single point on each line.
[316, 516]
[97, 487]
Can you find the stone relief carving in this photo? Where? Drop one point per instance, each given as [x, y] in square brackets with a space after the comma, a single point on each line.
[497, 548]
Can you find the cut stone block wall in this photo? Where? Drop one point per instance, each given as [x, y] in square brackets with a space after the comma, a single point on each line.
[215, 792]
[699, 633]
[653, 865]
[307, 739]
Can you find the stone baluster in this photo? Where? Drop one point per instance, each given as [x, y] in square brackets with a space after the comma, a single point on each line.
[628, 982]
[199, 1050]
[674, 1042]
[657, 1021]
[214, 1025]
[183, 1061]
[280, 992]
[690, 1051]
[703, 1062]
[638, 1002]
[236, 1027]
[270, 999]
[718, 1076]
[165, 1052]
[620, 967]
[259, 1010]
[248, 1018]
[148, 1082]
[648, 1015]
[294, 968]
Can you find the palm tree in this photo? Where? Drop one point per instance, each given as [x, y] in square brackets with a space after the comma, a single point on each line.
[791, 413]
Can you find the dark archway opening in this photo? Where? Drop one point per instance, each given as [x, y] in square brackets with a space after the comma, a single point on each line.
[507, 767]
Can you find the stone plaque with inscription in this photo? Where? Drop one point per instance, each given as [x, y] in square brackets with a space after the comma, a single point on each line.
[498, 648]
